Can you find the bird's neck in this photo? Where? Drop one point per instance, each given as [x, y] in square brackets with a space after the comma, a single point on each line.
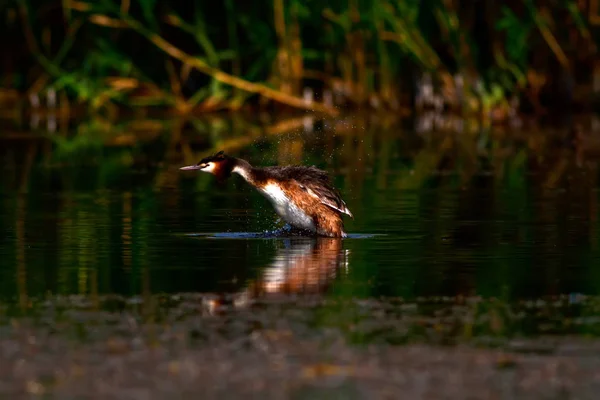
[245, 170]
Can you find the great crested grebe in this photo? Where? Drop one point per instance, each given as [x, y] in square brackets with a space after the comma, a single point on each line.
[302, 196]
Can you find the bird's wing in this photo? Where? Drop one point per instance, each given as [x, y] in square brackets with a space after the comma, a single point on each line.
[323, 191]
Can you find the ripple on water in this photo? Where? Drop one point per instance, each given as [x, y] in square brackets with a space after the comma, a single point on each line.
[268, 235]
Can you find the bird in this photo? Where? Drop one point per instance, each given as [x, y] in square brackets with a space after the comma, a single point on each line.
[302, 196]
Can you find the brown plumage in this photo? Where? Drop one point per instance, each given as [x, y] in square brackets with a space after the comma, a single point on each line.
[303, 196]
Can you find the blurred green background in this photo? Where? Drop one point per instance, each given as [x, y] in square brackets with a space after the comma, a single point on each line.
[479, 57]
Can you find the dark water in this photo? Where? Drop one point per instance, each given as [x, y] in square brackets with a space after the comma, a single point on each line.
[482, 212]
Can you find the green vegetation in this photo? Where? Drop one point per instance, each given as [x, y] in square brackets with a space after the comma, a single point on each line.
[104, 56]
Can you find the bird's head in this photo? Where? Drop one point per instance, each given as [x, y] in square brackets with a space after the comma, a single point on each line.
[219, 165]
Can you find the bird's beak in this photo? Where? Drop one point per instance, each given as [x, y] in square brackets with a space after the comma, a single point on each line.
[192, 167]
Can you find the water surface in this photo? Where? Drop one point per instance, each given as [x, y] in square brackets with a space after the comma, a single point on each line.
[482, 212]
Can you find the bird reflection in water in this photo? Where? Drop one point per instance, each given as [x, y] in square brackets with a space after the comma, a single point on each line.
[303, 265]
[300, 266]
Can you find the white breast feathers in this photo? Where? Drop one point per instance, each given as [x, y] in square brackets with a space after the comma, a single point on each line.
[286, 209]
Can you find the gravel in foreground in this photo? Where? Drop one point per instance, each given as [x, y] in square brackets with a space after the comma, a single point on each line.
[203, 347]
